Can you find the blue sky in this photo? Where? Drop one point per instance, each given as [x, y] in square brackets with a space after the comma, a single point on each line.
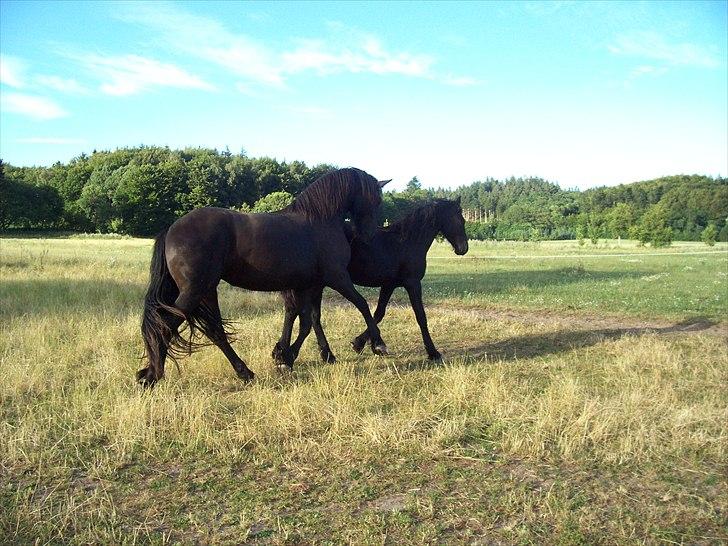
[582, 94]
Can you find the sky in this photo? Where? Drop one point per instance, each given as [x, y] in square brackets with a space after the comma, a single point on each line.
[582, 94]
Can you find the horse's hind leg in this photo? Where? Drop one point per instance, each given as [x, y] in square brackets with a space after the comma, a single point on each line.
[162, 336]
[308, 316]
[304, 328]
[282, 354]
[214, 329]
[156, 341]
[323, 343]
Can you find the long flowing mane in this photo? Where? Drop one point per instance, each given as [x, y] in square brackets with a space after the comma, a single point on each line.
[330, 194]
[423, 215]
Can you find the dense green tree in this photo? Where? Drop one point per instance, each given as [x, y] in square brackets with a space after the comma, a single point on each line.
[619, 219]
[273, 202]
[653, 227]
[137, 190]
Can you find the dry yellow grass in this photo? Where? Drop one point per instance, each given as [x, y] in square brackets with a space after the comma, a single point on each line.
[78, 438]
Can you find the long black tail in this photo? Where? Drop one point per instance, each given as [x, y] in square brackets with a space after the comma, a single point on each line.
[160, 315]
[161, 319]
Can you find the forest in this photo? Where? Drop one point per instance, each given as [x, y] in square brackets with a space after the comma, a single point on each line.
[141, 190]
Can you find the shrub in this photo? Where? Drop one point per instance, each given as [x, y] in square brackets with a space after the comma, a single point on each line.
[709, 235]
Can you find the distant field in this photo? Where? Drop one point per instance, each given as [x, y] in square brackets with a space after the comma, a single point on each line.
[583, 399]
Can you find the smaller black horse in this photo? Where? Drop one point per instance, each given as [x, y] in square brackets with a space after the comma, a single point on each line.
[395, 256]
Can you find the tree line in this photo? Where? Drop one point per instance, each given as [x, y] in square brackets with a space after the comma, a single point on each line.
[141, 190]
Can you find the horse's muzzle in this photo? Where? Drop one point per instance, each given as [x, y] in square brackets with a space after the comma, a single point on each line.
[461, 249]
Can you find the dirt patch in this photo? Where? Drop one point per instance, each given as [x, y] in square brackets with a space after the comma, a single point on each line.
[572, 320]
[390, 503]
[579, 321]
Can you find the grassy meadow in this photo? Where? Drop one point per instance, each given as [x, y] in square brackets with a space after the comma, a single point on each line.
[583, 399]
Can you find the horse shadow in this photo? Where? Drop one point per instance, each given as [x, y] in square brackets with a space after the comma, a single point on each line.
[553, 343]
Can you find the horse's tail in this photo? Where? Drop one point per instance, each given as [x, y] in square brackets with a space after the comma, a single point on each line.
[159, 310]
[161, 319]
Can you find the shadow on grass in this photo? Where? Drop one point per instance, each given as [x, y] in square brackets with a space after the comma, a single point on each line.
[537, 345]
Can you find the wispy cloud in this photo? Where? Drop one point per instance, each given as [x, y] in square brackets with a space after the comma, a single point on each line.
[346, 50]
[11, 71]
[30, 105]
[651, 45]
[57, 141]
[207, 39]
[647, 70]
[367, 54]
[64, 85]
[130, 74]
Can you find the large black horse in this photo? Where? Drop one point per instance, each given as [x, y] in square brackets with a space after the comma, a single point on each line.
[303, 245]
[395, 256]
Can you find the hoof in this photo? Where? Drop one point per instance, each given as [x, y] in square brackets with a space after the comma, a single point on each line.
[435, 356]
[285, 369]
[282, 357]
[328, 357]
[358, 345]
[245, 376]
[380, 350]
[145, 378]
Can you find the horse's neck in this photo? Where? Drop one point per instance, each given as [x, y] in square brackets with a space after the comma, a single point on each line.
[423, 238]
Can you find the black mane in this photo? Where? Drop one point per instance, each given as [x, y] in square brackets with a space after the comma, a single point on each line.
[422, 215]
[329, 195]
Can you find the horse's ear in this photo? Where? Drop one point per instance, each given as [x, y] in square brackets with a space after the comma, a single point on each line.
[383, 183]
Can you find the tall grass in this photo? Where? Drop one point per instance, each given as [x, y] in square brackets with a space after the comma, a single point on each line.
[70, 411]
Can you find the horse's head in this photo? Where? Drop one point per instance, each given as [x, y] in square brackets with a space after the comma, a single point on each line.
[365, 204]
[452, 225]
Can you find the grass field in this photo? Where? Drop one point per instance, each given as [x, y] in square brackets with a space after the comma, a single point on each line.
[583, 399]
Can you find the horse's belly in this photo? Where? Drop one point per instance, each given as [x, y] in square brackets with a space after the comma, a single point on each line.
[271, 275]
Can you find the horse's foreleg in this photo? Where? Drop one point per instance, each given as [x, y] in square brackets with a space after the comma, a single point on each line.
[414, 290]
[384, 294]
[345, 287]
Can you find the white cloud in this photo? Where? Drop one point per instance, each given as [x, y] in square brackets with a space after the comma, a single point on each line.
[11, 71]
[129, 74]
[347, 50]
[652, 45]
[31, 105]
[207, 39]
[366, 55]
[64, 85]
[647, 70]
[51, 140]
